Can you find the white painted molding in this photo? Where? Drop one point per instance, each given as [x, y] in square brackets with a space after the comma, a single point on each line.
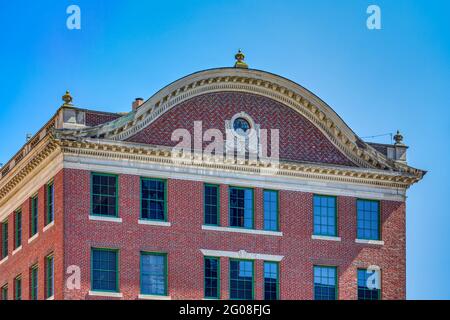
[153, 297]
[106, 294]
[51, 298]
[51, 224]
[17, 250]
[328, 238]
[154, 223]
[242, 254]
[4, 260]
[243, 230]
[374, 242]
[33, 238]
[106, 219]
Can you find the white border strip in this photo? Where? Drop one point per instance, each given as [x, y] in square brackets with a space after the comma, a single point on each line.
[243, 230]
[374, 242]
[51, 224]
[33, 238]
[154, 223]
[316, 237]
[106, 294]
[153, 297]
[241, 255]
[106, 219]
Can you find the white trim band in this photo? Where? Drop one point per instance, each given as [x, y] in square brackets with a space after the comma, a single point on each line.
[3, 260]
[153, 297]
[107, 219]
[374, 242]
[243, 230]
[328, 238]
[154, 223]
[242, 254]
[33, 238]
[106, 294]
[51, 298]
[51, 224]
[17, 250]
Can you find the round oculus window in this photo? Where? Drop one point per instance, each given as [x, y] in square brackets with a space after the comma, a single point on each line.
[241, 126]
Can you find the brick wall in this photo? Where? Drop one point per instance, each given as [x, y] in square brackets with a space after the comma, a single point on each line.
[300, 140]
[184, 239]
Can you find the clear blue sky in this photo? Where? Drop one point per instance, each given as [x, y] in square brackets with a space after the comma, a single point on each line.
[378, 81]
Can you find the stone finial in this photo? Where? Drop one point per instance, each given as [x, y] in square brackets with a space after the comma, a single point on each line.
[67, 98]
[398, 138]
[240, 60]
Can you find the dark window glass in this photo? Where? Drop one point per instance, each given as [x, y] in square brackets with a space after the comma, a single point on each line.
[4, 239]
[34, 216]
[34, 283]
[18, 288]
[212, 277]
[271, 210]
[369, 285]
[241, 207]
[153, 274]
[368, 219]
[4, 292]
[50, 203]
[324, 215]
[104, 270]
[271, 281]
[104, 195]
[325, 280]
[18, 229]
[211, 198]
[49, 277]
[241, 126]
[241, 279]
[153, 199]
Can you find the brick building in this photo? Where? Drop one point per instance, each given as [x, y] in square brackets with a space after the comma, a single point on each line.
[101, 205]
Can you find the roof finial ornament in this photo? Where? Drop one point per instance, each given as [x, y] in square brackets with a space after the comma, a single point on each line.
[398, 138]
[240, 60]
[67, 98]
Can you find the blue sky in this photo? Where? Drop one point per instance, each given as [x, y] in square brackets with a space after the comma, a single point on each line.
[378, 81]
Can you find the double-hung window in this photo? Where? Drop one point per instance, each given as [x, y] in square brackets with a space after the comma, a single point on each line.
[18, 288]
[211, 204]
[241, 279]
[153, 273]
[369, 287]
[105, 270]
[271, 281]
[212, 277]
[17, 229]
[34, 216]
[34, 282]
[50, 210]
[49, 276]
[104, 195]
[241, 207]
[270, 210]
[325, 216]
[325, 283]
[4, 292]
[368, 219]
[153, 199]
[4, 231]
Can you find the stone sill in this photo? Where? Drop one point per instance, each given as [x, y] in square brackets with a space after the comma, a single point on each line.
[3, 260]
[51, 298]
[373, 242]
[106, 219]
[17, 250]
[33, 238]
[154, 223]
[106, 294]
[243, 230]
[153, 297]
[328, 238]
[51, 224]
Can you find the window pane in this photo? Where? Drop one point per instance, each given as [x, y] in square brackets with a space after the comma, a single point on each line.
[153, 199]
[324, 215]
[49, 277]
[271, 281]
[270, 210]
[369, 287]
[50, 205]
[104, 195]
[34, 283]
[325, 283]
[241, 279]
[34, 216]
[153, 274]
[368, 216]
[241, 207]
[211, 204]
[18, 229]
[104, 270]
[211, 270]
[4, 248]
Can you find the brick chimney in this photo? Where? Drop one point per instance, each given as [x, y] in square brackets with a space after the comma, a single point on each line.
[137, 103]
